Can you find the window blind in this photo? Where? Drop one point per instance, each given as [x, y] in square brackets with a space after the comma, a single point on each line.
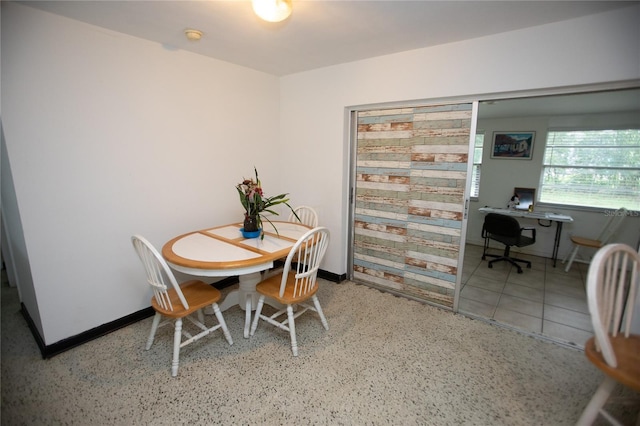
[595, 168]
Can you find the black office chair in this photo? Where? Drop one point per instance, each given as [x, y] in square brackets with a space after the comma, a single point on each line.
[506, 230]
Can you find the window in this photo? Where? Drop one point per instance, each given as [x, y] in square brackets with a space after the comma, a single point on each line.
[595, 168]
[477, 162]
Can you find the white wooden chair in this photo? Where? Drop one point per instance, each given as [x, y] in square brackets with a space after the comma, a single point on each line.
[295, 285]
[612, 292]
[176, 302]
[610, 227]
[307, 215]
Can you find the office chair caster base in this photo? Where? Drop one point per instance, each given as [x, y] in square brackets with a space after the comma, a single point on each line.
[520, 269]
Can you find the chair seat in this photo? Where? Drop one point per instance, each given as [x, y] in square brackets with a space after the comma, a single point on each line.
[271, 289]
[197, 293]
[586, 242]
[626, 349]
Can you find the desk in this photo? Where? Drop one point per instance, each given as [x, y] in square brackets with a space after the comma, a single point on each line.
[223, 251]
[559, 219]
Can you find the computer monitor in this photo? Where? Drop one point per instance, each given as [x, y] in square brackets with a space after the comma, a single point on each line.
[527, 196]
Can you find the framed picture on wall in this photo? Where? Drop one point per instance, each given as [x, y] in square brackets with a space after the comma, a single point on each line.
[513, 145]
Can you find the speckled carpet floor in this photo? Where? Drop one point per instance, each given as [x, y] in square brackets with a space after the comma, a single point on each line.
[384, 361]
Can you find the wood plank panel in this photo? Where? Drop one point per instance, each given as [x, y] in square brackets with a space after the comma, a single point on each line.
[411, 168]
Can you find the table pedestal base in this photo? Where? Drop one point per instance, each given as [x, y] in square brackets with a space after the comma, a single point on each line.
[246, 297]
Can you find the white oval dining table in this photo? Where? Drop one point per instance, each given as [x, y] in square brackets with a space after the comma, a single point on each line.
[223, 252]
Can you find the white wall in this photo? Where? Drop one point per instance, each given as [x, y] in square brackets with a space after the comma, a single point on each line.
[594, 49]
[109, 135]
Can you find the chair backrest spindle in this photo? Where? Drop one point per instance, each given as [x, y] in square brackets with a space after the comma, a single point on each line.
[308, 253]
[159, 275]
[612, 285]
[612, 225]
[307, 215]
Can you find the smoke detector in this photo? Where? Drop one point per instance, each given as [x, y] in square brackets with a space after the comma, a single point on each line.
[193, 35]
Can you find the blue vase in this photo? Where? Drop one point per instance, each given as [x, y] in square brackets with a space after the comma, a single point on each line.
[251, 234]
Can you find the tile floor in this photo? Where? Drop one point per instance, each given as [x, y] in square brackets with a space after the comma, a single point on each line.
[544, 301]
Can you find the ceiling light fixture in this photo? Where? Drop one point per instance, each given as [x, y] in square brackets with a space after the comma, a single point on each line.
[193, 35]
[273, 10]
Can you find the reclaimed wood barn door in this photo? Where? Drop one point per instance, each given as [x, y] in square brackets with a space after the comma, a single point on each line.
[408, 210]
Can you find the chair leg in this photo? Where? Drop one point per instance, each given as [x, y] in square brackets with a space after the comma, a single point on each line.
[506, 256]
[506, 259]
[566, 256]
[485, 254]
[257, 315]
[598, 400]
[572, 257]
[177, 337]
[513, 261]
[316, 303]
[154, 328]
[247, 315]
[526, 262]
[223, 324]
[292, 330]
[485, 248]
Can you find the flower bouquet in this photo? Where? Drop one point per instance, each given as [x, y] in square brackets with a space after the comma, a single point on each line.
[255, 203]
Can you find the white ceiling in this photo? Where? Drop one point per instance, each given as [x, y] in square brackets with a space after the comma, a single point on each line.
[614, 101]
[330, 32]
[318, 33]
